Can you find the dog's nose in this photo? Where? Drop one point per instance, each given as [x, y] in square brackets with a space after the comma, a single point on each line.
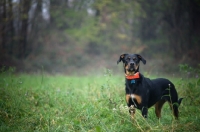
[132, 63]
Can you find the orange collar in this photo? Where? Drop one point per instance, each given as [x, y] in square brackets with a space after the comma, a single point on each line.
[136, 75]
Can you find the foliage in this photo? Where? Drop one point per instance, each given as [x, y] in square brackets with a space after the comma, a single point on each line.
[185, 68]
[64, 35]
[191, 84]
[85, 103]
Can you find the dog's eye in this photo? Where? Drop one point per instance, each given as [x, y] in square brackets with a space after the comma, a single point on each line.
[134, 59]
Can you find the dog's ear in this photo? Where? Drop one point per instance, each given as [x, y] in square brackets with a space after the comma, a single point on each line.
[121, 58]
[141, 58]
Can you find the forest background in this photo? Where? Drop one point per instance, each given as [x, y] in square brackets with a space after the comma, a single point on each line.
[85, 36]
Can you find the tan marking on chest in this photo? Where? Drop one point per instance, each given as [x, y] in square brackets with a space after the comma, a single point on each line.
[135, 96]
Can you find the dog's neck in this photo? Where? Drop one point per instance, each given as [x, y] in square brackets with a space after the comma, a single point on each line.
[132, 76]
[132, 82]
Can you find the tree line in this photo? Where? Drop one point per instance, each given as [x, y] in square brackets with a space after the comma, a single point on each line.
[101, 26]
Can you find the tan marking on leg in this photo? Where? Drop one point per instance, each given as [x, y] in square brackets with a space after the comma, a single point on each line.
[158, 107]
[127, 98]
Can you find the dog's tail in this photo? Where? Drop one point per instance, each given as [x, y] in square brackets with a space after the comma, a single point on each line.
[180, 100]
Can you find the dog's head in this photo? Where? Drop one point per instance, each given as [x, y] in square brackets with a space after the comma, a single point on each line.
[131, 62]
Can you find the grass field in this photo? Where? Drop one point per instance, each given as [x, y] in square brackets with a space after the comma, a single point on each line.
[86, 103]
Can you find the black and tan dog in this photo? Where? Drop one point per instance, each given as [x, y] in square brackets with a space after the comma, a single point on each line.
[142, 93]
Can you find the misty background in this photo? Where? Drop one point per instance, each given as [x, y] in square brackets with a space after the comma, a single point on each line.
[87, 36]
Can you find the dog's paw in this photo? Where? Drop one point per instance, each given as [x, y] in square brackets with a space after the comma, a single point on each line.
[132, 111]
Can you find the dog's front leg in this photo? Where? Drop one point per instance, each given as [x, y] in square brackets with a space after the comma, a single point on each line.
[130, 106]
[145, 102]
[132, 111]
[144, 111]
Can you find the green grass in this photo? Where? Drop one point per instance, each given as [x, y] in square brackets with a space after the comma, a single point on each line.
[86, 103]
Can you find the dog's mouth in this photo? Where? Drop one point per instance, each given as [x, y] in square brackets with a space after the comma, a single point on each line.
[131, 68]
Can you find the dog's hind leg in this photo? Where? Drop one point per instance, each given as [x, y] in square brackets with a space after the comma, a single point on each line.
[174, 106]
[171, 96]
[158, 107]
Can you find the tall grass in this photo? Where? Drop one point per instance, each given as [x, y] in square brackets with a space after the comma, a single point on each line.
[86, 103]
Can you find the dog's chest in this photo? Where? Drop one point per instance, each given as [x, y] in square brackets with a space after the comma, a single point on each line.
[133, 82]
[133, 86]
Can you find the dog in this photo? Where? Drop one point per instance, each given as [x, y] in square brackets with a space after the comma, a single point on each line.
[142, 93]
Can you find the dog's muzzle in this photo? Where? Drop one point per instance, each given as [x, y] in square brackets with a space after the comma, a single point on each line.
[131, 67]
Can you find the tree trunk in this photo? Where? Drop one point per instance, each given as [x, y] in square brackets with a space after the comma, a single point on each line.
[4, 25]
[11, 27]
[24, 27]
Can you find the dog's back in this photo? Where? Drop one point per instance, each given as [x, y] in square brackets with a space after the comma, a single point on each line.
[160, 89]
[166, 88]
